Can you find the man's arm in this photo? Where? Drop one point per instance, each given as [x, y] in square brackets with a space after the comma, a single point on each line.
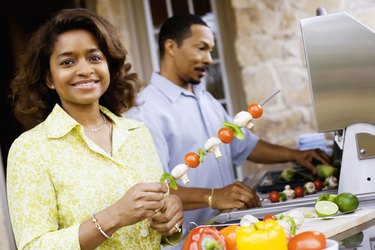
[233, 196]
[267, 153]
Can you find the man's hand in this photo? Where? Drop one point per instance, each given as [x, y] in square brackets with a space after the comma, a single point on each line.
[235, 196]
[267, 153]
[306, 158]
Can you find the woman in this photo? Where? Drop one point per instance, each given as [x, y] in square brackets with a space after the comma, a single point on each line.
[82, 177]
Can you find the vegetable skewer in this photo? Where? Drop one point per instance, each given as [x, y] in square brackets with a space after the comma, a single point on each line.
[191, 160]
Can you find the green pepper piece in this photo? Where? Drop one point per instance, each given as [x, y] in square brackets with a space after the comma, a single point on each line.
[292, 223]
[237, 131]
[307, 176]
[287, 174]
[202, 155]
[167, 177]
[324, 171]
[282, 196]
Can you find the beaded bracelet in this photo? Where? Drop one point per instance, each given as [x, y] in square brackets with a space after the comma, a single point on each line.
[210, 198]
[97, 225]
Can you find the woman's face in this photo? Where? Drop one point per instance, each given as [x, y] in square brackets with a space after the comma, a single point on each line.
[79, 69]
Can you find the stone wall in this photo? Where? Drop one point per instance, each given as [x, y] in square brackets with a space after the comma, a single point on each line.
[270, 53]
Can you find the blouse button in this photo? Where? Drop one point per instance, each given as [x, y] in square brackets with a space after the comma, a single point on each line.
[144, 232]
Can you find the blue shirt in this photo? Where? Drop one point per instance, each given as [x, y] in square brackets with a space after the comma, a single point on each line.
[181, 121]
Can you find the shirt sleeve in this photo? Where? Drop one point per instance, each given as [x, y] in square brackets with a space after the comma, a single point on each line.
[32, 201]
[242, 149]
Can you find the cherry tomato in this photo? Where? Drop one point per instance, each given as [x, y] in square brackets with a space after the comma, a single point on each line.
[226, 135]
[191, 159]
[299, 192]
[318, 184]
[269, 217]
[255, 110]
[274, 196]
[230, 233]
[309, 240]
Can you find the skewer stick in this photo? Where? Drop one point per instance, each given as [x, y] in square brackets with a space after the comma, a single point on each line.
[193, 225]
[269, 98]
[220, 225]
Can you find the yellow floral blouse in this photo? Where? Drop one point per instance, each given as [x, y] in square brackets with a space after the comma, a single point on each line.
[57, 178]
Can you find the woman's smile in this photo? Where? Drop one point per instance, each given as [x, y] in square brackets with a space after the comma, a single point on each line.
[86, 84]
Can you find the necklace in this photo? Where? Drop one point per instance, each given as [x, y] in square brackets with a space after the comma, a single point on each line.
[105, 122]
[98, 128]
[110, 134]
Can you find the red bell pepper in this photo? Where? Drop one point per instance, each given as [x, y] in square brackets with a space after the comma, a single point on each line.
[204, 238]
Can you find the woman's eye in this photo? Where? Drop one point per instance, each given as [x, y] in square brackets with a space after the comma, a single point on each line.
[66, 62]
[95, 58]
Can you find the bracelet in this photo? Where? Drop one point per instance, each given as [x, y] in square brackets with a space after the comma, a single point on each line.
[210, 198]
[97, 225]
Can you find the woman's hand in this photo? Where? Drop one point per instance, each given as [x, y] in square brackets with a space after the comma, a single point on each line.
[140, 202]
[170, 216]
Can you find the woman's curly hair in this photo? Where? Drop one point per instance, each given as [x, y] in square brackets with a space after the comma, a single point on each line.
[33, 100]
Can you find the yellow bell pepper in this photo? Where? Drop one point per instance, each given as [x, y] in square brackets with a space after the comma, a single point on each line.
[262, 235]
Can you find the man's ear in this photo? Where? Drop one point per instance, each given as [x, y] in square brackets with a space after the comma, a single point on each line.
[170, 47]
[49, 81]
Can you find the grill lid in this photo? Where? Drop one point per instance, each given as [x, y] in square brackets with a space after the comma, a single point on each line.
[340, 56]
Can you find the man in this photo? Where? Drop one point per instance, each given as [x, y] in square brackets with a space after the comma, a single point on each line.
[182, 116]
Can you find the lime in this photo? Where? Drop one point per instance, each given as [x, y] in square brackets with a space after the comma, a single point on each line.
[326, 208]
[332, 197]
[327, 197]
[323, 197]
[347, 202]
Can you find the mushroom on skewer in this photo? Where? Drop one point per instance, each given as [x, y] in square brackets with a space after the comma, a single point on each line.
[244, 120]
[179, 172]
[212, 146]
